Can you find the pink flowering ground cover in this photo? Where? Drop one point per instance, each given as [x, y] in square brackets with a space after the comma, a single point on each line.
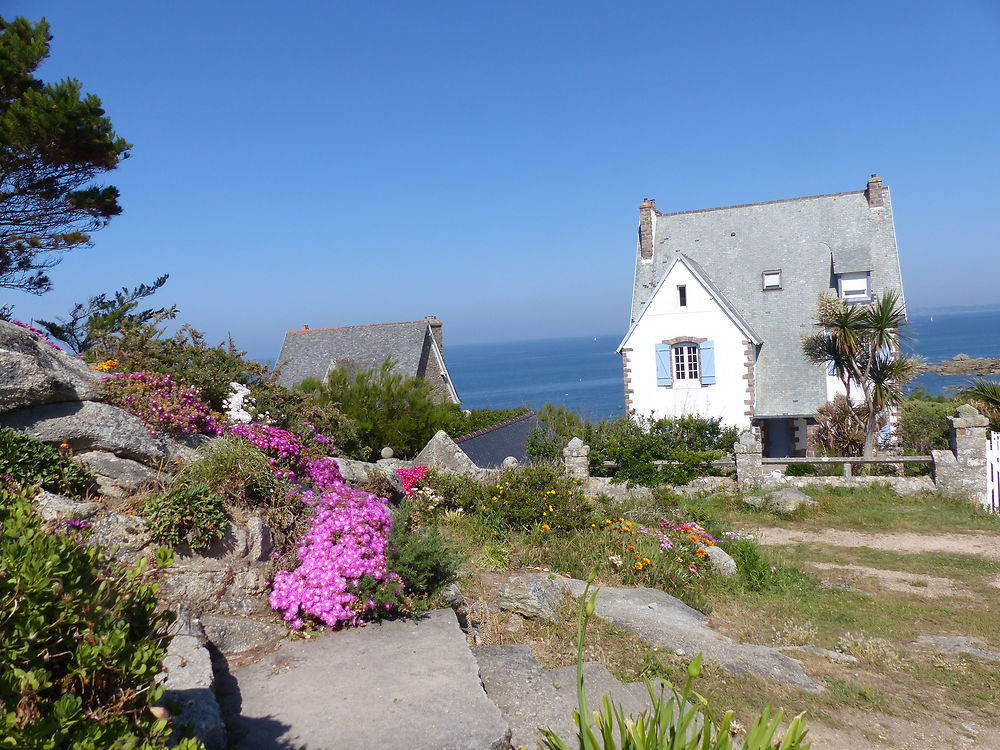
[343, 553]
[161, 402]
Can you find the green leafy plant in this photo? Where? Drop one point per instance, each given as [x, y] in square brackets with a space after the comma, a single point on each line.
[185, 513]
[81, 642]
[689, 442]
[801, 470]
[679, 720]
[386, 409]
[539, 497]
[29, 461]
[422, 557]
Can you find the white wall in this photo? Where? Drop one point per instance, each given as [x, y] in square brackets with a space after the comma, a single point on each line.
[702, 318]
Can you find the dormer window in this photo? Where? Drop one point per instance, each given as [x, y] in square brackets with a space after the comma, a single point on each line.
[854, 287]
[772, 279]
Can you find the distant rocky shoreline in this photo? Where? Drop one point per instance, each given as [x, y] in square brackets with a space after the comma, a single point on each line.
[963, 364]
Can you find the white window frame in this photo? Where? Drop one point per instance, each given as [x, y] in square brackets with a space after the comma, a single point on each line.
[853, 291]
[685, 362]
[764, 280]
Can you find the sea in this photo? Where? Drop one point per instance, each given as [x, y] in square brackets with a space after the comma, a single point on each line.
[585, 373]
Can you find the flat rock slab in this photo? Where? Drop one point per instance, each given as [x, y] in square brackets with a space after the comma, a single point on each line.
[957, 644]
[669, 623]
[597, 682]
[523, 691]
[399, 684]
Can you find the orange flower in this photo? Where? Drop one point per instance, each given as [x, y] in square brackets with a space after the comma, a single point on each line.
[701, 553]
[546, 527]
[631, 548]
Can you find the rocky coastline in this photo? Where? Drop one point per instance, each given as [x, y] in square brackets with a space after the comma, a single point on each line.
[963, 364]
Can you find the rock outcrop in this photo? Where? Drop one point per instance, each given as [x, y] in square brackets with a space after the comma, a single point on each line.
[33, 373]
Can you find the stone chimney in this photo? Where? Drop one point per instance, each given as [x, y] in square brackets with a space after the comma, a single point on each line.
[647, 223]
[874, 192]
[436, 331]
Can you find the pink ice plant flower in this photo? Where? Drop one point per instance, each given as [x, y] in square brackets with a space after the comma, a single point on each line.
[164, 404]
[410, 478]
[346, 542]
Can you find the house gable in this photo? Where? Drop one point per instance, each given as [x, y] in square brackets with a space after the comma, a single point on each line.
[699, 319]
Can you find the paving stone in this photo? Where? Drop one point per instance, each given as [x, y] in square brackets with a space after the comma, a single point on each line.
[524, 693]
[396, 684]
[669, 623]
[597, 682]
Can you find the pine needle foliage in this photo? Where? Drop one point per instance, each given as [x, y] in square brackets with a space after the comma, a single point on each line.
[55, 141]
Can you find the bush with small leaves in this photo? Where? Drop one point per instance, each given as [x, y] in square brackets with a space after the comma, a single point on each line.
[184, 513]
[28, 461]
[81, 642]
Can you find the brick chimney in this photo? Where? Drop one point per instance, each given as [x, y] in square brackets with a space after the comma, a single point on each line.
[436, 331]
[647, 213]
[874, 192]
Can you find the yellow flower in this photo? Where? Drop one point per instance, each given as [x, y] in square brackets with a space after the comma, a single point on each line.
[63, 446]
[546, 527]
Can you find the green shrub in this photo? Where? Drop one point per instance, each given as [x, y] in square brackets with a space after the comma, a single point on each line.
[387, 409]
[236, 471]
[923, 426]
[801, 470]
[539, 497]
[480, 419]
[187, 355]
[421, 556]
[28, 461]
[691, 442]
[184, 513]
[80, 644]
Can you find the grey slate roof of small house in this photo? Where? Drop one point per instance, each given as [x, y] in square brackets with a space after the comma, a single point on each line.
[489, 447]
[809, 240]
[309, 352]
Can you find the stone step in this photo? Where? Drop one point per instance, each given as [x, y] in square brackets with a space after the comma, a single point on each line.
[598, 682]
[524, 693]
[412, 684]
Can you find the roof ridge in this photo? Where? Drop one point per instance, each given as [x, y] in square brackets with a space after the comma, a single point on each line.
[362, 325]
[497, 426]
[761, 203]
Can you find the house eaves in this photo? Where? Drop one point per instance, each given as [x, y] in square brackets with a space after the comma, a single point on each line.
[698, 272]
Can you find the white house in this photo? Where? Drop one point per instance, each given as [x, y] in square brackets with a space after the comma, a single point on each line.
[723, 297]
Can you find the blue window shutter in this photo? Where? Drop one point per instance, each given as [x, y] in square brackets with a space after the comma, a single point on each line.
[707, 351]
[663, 371]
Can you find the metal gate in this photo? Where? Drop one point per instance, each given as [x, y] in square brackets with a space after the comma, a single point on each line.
[992, 499]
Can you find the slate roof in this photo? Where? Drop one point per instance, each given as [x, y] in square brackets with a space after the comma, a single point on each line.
[309, 352]
[810, 240]
[490, 446]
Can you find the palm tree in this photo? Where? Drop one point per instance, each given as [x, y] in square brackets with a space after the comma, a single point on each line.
[986, 395]
[860, 344]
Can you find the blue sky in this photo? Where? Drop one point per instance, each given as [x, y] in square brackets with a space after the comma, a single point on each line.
[341, 163]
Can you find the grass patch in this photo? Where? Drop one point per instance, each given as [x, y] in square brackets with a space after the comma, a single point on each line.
[874, 508]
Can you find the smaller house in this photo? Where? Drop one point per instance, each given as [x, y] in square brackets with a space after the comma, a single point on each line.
[416, 348]
[489, 446]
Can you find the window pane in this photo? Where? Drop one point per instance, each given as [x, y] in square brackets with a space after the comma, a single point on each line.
[772, 279]
[680, 372]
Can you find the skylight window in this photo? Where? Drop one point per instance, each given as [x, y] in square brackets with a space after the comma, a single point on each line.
[772, 279]
[854, 286]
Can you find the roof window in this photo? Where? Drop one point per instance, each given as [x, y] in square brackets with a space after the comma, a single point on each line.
[772, 279]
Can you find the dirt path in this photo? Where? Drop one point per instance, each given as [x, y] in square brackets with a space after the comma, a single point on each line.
[931, 587]
[981, 545]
